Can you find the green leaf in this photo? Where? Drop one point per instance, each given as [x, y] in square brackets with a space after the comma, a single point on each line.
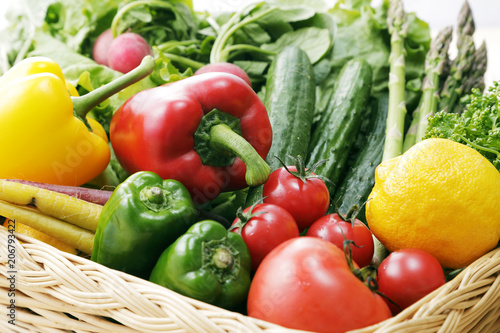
[290, 13]
[478, 127]
[314, 41]
[165, 71]
[255, 34]
[316, 5]
[253, 68]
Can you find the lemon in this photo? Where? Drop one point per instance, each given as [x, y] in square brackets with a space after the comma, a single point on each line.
[439, 196]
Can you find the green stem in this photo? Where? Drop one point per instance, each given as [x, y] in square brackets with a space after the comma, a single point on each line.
[155, 198]
[397, 107]
[411, 135]
[429, 104]
[380, 252]
[173, 43]
[223, 137]
[247, 47]
[222, 258]
[153, 194]
[477, 147]
[126, 8]
[217, 54]
[83, 104]
[435, 61]
[185, 61]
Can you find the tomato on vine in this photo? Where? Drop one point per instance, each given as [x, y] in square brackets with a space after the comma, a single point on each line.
[346, 232]
[298, 190]
[263, 227]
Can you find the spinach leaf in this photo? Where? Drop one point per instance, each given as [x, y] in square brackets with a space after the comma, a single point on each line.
[314, 41]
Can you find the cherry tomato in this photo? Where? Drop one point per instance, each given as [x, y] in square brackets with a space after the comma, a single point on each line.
[264, 228]
[306, 200]
[305, 283]
[334, 229]
[407, 275]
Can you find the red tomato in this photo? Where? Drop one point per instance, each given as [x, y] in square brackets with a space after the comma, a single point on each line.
[305, 283]
[306, 201]
[407, 275]
[333, 228]
[269, 226]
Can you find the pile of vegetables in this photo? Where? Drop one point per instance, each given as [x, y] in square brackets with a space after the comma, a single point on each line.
[226, 138]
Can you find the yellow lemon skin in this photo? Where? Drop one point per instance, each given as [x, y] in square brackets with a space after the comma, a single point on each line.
[439, 196]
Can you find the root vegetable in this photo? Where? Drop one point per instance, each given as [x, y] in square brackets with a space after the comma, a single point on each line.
[101, 47]
[60, 206]
[99, 197]
[79, 238]
[127, 51]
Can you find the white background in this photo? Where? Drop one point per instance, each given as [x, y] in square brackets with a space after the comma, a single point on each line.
[438, 13]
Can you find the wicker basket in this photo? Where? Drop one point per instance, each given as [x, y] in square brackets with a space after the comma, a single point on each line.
[60, 292]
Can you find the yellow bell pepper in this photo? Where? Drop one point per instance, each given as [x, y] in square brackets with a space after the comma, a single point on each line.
[45, 135]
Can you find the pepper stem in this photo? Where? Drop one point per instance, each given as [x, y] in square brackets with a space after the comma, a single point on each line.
[155, 198]
[222, 258]
[223, 137]
[154, 195]
[83, 104]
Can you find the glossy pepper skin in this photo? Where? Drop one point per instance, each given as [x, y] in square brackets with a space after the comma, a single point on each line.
[171, 130]
[143, 216]
[46, 136]
[207, 263]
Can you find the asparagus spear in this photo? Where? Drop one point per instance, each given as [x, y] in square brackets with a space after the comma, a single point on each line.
[459, 72]
[434, 64]
[476, 79]
[465, 23]
[393, 146]
[411, 135]
[460, 68]
[398, 28]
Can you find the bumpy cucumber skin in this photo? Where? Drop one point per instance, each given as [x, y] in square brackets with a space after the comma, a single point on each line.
[359, 179]
[290, 100]
[339, 125]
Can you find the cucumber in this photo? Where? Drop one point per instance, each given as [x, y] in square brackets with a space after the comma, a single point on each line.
[290, 97]
[339, 124]
[358, 182]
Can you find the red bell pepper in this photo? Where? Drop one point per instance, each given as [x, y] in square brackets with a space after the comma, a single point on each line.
[211, 132]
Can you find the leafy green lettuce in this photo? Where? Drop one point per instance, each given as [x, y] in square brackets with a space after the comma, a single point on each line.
[252, 36]
[478, 127]
[362, 33]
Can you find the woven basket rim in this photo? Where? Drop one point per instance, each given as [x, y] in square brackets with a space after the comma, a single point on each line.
[479, 280]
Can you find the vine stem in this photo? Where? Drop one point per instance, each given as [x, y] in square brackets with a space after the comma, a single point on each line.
[228, 29]
[126, 8]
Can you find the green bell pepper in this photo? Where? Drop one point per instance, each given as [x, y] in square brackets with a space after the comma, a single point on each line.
[207, 263]
[143, 216]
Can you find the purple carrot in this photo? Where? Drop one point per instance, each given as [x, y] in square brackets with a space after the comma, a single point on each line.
[99, 197]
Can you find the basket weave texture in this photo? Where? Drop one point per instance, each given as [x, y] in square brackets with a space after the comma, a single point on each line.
[60, 292]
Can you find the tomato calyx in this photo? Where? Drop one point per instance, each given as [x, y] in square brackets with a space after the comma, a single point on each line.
[302, 172]
[245, 217]
[367, 274]
[351, 215]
